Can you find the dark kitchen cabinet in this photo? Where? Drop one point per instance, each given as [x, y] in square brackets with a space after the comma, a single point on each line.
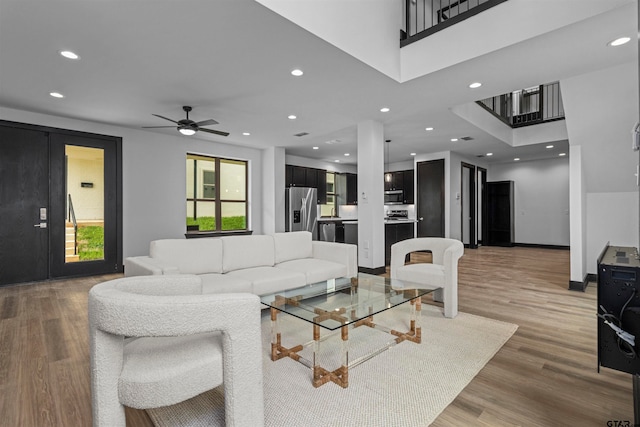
[407, 186]
[395, 183]
[322, 186]
[401, 180]
[393, 233]
[300, 176]
[352, 188]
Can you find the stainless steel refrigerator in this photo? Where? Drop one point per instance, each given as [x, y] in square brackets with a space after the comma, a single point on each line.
[301, 210]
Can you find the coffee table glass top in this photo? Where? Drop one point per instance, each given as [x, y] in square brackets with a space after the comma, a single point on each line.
[349, 300]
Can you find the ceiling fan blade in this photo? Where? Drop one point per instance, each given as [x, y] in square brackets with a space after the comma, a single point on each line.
[207, 123]
[156, 127]
[162, 117]
[217, 132]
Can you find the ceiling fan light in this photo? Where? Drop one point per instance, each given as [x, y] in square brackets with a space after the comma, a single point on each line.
[186, 131]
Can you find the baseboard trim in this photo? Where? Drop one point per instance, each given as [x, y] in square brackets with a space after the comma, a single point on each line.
[537, 245]
[581, 286]
[375, 271]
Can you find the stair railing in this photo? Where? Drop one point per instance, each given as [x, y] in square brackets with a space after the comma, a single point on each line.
[71, 217]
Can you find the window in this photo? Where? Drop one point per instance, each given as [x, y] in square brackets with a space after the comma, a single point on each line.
[216, 194]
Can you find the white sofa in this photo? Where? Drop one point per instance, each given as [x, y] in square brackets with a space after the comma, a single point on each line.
[259, 264]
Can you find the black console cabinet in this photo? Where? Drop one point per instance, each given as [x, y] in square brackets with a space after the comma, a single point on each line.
[618, 289]
[619, 303]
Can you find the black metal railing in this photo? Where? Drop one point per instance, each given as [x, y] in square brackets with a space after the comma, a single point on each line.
[527, 106]
[425, 17]
[71, 217]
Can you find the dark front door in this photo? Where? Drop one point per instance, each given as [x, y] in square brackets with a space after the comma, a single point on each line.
[430, 193]
[24, 205]
[60, 203]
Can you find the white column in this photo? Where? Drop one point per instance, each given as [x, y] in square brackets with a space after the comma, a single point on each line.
[370, 194]
[577, 210]
[273, 170]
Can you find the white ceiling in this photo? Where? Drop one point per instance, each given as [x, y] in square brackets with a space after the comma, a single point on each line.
[231, 60]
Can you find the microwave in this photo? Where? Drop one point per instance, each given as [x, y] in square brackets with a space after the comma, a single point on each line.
[394, 197]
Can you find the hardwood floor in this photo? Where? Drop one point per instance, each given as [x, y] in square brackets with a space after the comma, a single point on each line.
[545, 375]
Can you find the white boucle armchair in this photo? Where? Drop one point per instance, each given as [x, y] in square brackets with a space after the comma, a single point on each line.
[157, 340]
[442, 272]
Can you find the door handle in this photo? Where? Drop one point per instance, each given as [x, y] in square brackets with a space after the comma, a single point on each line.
[41, 225]
[420, 219]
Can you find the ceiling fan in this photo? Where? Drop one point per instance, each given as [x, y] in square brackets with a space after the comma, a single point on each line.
[188, 126]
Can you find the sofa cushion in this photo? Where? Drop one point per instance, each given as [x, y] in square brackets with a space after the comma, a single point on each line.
[292, 245]
[430, 274]
[223, 283]
[268, 280]
[190, 256]
[315, 270]
[239, 252]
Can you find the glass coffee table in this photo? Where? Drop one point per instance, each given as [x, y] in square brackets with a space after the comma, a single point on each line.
[338, 305]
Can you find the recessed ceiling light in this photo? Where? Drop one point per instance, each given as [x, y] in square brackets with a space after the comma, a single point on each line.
[297, 72]
[549, 146]
[292, 117]
[489, 154]
[316, 148]
[385, 109]
[246, 133]
[413, 154]
[347, 154]
[475, 85]
[619, 41]
[337, 161]
[454, 139]
[517, 159]
[69, 55]
[562, 154]
[428, 129]
[56, 95]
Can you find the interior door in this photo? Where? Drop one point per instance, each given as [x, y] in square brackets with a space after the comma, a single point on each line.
[430, 181]
[481, 205]
[468, 205]
[24, 205]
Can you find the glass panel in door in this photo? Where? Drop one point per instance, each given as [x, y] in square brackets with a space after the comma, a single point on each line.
[84, 222]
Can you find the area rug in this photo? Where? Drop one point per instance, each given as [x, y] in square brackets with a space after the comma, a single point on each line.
[407, 385]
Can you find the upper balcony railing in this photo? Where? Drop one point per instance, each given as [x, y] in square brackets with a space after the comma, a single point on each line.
[527, 106]
[425, 17]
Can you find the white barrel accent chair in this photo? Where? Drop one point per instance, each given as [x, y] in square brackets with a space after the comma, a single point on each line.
[157, 340]
[442, 272]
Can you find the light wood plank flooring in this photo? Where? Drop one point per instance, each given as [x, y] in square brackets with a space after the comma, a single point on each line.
[545, 375]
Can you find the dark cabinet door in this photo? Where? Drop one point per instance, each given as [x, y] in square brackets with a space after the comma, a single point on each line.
[288, 176]
[352, 189]
[299, 176]
[322, 187]
[407, 186]
[394, 233]
[311, 178]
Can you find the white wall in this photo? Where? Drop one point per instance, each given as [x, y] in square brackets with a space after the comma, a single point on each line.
[365, 29]
[154, 177]
[602, 129]
[541, 193]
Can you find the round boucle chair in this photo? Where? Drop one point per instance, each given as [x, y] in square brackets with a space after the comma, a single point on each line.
[442, 272]
[157, 340]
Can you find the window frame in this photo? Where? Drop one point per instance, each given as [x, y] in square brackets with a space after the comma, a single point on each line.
[218, 201]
